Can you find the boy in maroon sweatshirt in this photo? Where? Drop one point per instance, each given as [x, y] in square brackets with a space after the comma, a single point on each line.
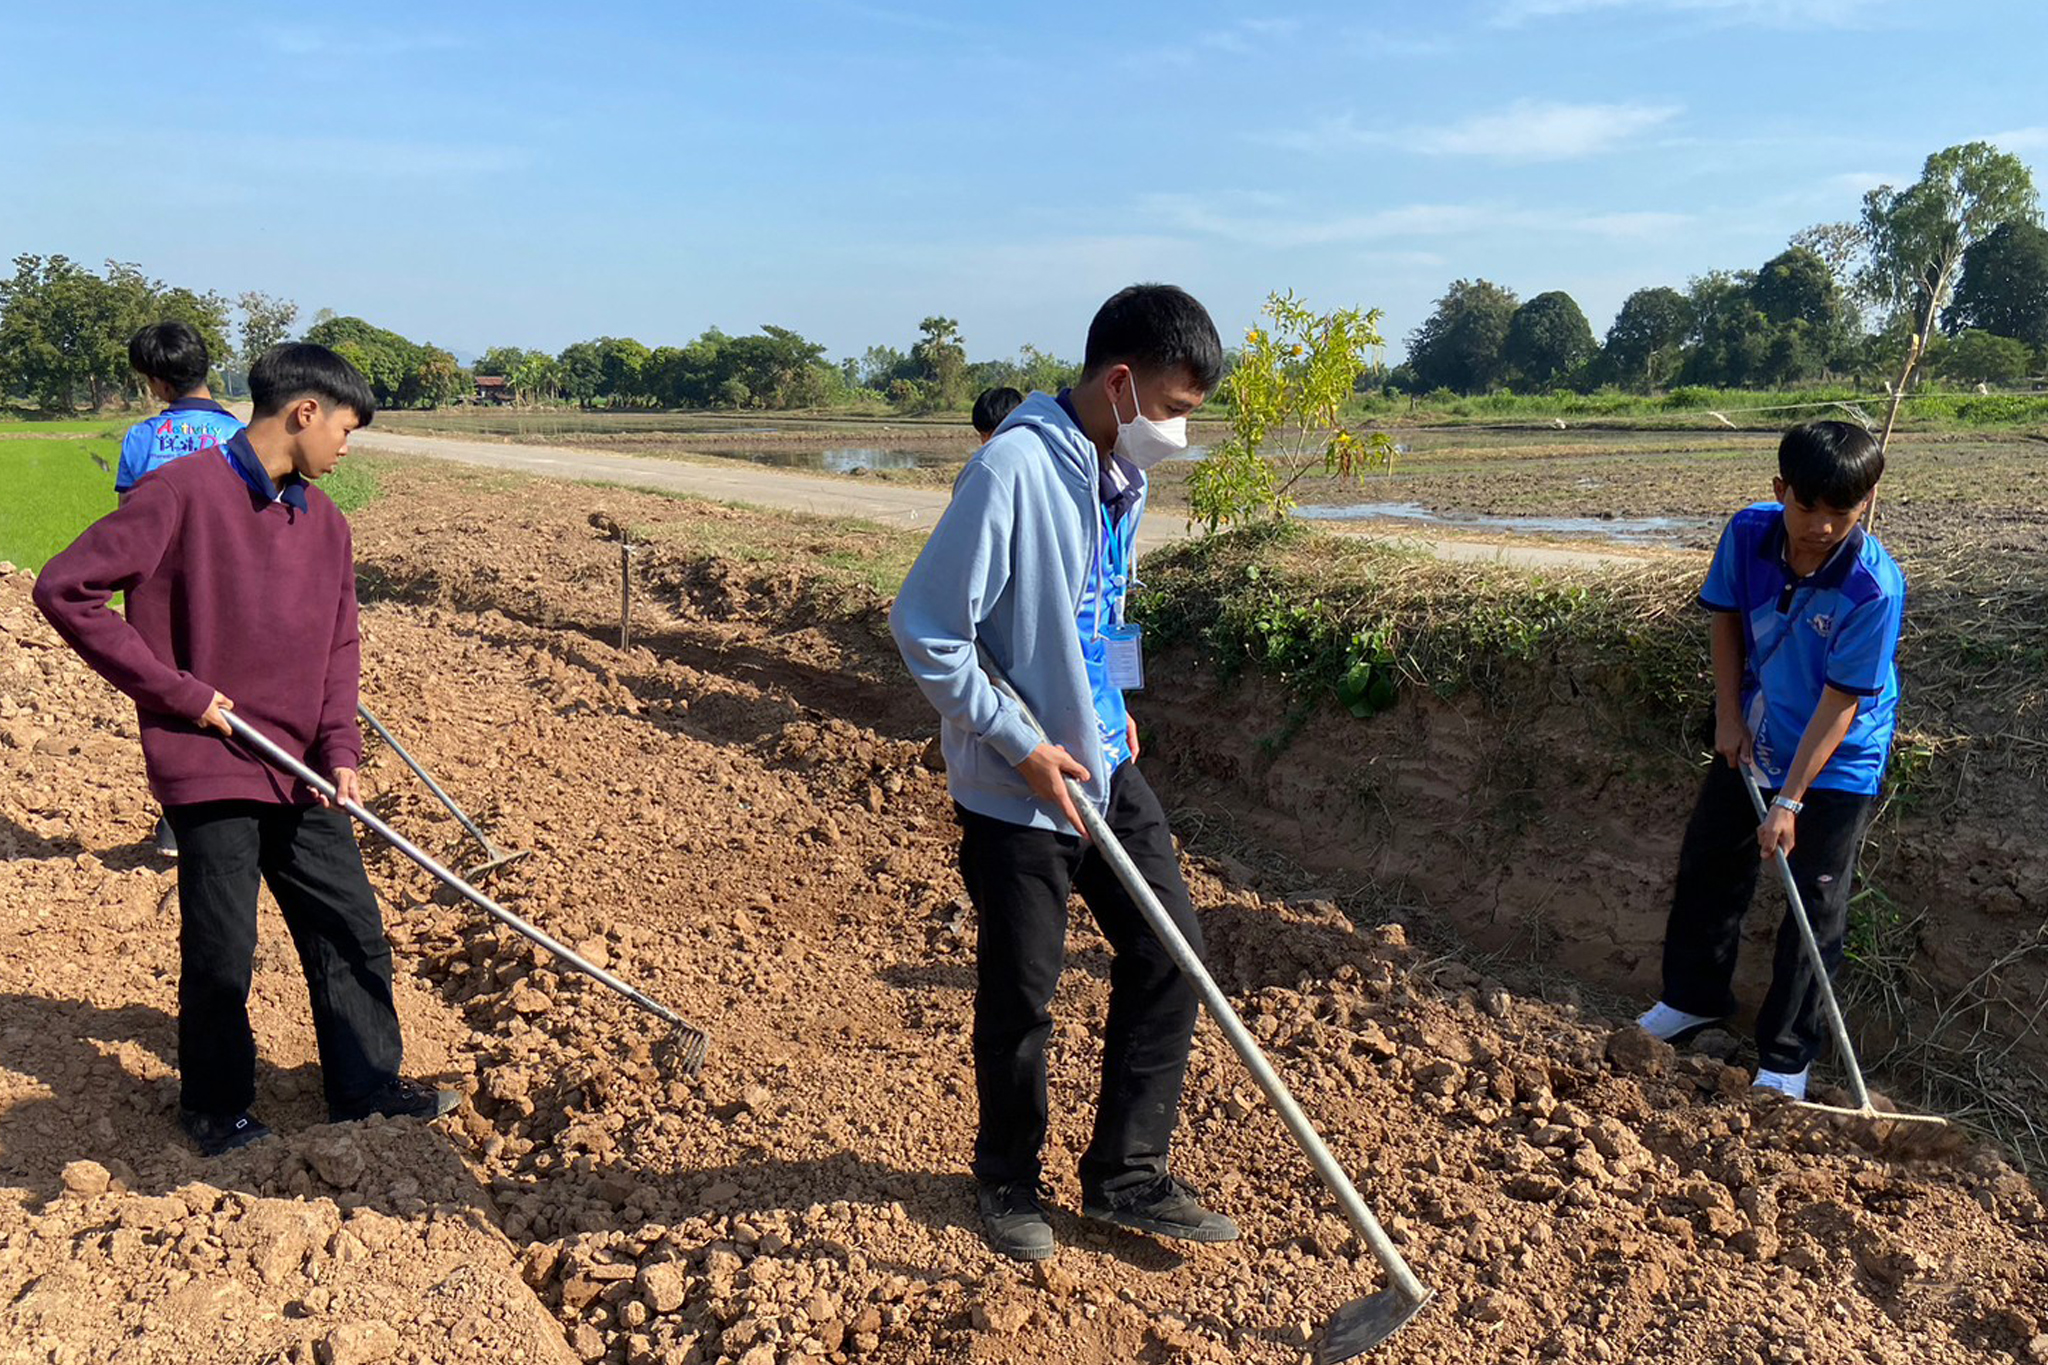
[241, 596]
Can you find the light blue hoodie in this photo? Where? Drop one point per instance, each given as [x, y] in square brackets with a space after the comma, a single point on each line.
[1006, 567]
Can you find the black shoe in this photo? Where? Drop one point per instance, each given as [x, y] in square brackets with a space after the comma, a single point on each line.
[166, 838]
[1013, 1218]
[1163, 1207]
[401, 1099]
[217, 1133]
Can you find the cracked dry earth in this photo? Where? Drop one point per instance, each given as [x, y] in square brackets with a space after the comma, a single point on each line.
[732, 816]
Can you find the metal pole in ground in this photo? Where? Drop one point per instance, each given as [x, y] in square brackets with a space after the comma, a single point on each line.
[626, 549]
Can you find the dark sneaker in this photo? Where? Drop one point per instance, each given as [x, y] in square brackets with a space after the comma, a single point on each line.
[166, 838]
[401, 1099]
[217, 1133]
[1014, 1220]
[1165, 1208]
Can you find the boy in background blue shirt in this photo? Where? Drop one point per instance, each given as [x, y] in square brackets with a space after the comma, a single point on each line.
[1807, 609]
[171, 358]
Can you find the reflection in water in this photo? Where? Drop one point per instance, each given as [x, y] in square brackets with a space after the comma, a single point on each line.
[1653, 530]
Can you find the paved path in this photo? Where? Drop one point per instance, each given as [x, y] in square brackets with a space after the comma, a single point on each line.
[838, 495]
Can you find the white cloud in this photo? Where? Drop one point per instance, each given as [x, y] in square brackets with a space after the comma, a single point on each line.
[2017, 140]
[1244, 38]
[1527, 130]
[1264, 220]
[1777, 13]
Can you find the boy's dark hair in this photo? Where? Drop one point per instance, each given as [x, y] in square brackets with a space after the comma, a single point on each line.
[293, 370]
[172, 352]
[1836, 463]
[993, 406]
[1155, 327]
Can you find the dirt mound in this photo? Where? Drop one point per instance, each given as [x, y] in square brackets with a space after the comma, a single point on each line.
[732, 817]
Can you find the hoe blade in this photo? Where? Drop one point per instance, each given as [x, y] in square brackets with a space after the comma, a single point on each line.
[1364, 1323]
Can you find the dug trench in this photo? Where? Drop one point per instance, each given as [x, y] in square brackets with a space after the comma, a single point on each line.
[732, 815]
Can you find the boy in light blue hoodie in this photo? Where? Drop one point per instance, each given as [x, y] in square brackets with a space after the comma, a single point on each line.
[1031, 562]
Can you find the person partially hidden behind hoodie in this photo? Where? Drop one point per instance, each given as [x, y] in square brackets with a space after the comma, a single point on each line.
[1031, 563]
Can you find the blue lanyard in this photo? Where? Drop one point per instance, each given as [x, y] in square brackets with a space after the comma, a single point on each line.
[1110, 560]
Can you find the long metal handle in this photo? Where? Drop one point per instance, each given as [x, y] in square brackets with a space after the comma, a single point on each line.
[1241, 1041]
[1820, 968]
[491, 850]
[261, 743]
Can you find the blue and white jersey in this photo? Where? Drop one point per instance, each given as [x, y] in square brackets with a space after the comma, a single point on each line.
[186, 426]
[1837, 627]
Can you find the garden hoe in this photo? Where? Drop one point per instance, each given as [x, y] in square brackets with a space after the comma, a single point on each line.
[685, 1045]
[1864, 1109]
[1364, 1323]
[494, 857]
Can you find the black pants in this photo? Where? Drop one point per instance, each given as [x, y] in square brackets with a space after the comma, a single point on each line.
[308, 856]
[1019, 879]
[1717, 871]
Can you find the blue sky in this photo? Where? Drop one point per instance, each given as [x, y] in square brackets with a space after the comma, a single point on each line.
[536, 174]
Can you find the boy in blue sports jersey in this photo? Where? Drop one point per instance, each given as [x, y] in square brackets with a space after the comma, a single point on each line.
[171, 358]
[1032, 562]
[1807, 608]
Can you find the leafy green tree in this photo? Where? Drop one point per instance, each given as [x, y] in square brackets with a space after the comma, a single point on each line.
[1285, 400]
[1549, 341]
[582, 372]
[1042, 372]
[1459, 345]
[941, 358]
[385, 358]
[1917, 236]
[620, 362]
[1731, 338]
[500, 360]
[64, 330]
[266, 321]
[433, 379]
[2004, 285]
[1812, 323]
[534, 376]
[47, 323]
[1978, 357]
[1643, 344]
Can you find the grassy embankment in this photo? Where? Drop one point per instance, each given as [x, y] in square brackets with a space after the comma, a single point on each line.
[51, 488]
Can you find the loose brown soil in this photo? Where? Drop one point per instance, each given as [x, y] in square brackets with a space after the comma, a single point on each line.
[732, 815]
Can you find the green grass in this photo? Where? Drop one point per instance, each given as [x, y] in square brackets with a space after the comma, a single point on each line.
[353, 485]
[50, 489]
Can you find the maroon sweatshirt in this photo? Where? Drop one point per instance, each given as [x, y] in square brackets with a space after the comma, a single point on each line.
[228, 590]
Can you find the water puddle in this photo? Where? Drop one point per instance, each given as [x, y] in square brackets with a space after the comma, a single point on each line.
[1625, 530]
[833, 459]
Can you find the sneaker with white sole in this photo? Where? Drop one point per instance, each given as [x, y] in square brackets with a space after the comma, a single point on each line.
[1670, 1025]
[1790, 1084]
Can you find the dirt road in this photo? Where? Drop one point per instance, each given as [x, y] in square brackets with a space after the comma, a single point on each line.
[888, 504]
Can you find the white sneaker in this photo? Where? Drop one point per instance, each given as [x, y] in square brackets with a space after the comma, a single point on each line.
[1663, 1022]
[1791, 1084]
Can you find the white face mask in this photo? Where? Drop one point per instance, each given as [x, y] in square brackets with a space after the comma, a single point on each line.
[1143, 441]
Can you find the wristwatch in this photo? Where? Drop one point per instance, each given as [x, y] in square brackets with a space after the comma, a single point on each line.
[1787, 803]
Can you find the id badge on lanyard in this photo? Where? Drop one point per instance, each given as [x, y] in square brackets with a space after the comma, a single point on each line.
[1123, 643]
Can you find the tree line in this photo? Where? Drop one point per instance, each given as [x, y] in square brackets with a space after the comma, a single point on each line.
[64, 333]
[1959, 257]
